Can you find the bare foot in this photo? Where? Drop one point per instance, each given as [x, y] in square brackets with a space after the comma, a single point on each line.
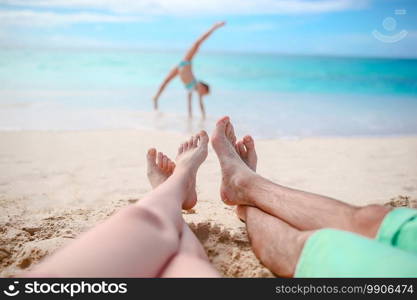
[160, 167]
[236, 175]
[246, 150]
[191, 155]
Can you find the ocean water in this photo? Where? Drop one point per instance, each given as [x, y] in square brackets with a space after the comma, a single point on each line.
[266, 95]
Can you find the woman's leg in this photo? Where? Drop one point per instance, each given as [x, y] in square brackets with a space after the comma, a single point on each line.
[191, 259]
[140, 239]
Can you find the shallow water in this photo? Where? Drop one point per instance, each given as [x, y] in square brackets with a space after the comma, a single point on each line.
[266, 95]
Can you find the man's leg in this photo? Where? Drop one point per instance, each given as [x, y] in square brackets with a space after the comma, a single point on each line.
[276, 244]
[140, 239]
[322, 253]
[302, 210]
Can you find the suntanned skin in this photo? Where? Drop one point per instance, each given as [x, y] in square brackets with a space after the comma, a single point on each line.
[279, 220]
[186, 75]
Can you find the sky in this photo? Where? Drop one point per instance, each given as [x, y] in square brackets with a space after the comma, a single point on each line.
[296, 27]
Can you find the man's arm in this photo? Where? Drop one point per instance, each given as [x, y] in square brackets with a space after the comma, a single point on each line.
[170, 76]
[194, 48]
[202, 108]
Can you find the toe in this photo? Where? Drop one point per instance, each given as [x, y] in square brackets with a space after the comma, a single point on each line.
[180, 149]
[220, 132]
[232, 134]
[164, 162]
[221, 124]
[151, 156]
[185, 146]
[160, 159]
[229, 130]
[249, 142]
[242, 149]
[203, 136]
[195, 141]
[191, 142]
[168, 166]
[171, 166]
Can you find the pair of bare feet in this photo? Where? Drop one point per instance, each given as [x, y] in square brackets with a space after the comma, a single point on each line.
[237, 158]
[279, 220]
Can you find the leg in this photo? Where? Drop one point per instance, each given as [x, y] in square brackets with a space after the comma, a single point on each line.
[140, 239]
[191, 259]
[190, 105]
[323, 253]
[303, 210]
[276, 244]
[202, 107]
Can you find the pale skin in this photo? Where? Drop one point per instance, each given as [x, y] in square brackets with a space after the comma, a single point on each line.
[147, 239]
[279, 220]
[186, 75]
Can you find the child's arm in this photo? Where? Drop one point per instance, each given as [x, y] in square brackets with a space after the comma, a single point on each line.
[194, 48]
[170, 76]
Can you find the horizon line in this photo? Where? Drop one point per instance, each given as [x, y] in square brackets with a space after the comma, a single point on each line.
[208, 51]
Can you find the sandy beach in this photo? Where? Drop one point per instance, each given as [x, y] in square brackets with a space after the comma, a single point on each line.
[56, 184]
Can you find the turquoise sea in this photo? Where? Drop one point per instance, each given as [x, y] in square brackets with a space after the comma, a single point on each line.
[267, 95]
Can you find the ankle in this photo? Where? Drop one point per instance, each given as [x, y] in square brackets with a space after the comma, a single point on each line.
[244, 180]
[184, 171]
[242, 185]
[185, 176]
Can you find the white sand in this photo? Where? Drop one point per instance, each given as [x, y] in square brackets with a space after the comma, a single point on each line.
[54, 185]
